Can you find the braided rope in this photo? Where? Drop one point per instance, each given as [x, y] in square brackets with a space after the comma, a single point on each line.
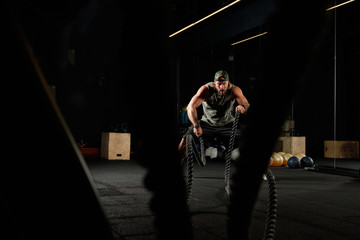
[192, 151]
[272, 207]
[190, 166]
[229, 150]
[202, 161]
[200, 156]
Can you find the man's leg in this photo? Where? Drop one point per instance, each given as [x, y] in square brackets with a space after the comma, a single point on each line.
[182, 150]
[181, 144]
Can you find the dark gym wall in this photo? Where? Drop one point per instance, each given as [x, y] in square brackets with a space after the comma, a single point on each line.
[314, 108]
[314, 112]
[92, 92]
[78, 46]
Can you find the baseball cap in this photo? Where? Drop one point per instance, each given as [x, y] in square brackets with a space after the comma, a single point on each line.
[221, 76]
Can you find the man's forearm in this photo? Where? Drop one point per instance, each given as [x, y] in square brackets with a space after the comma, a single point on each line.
[193, 117]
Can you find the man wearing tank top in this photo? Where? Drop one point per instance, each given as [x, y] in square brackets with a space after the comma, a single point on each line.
[217, 99]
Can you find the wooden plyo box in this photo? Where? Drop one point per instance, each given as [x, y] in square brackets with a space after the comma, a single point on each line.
[341, 149]
[115, 146]
[292, 145]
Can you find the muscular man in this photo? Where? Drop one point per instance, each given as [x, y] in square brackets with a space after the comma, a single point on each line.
[217, 98]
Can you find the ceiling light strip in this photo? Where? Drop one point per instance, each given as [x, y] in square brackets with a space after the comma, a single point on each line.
[208, 16]
[339, 5]
[249, 38]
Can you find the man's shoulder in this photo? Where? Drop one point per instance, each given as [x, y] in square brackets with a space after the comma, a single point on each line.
[203, 92]
[236, 90]
[234, 87]
[209, 88]
[204, 87]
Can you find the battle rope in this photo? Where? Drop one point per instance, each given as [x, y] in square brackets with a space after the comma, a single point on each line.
[192, 151]
[228, 153]
[272, 207]
[199, 156]
[190, 166]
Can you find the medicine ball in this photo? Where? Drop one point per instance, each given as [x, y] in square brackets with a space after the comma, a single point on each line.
[277, 160]
[286, 157]
[307, 162]
[293, 162]
[300, 155]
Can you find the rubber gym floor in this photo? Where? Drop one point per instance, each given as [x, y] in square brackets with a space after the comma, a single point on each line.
[311, 204]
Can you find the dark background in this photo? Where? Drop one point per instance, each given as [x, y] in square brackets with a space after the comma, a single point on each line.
[93, 84]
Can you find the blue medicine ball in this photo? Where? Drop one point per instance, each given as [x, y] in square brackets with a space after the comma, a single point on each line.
[307, 162]
[293, 162]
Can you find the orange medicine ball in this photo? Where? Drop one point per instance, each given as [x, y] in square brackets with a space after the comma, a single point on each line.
[277, 160]
[286, 157]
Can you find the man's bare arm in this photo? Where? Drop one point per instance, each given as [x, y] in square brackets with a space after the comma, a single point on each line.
[241, 100]
[194, 103]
